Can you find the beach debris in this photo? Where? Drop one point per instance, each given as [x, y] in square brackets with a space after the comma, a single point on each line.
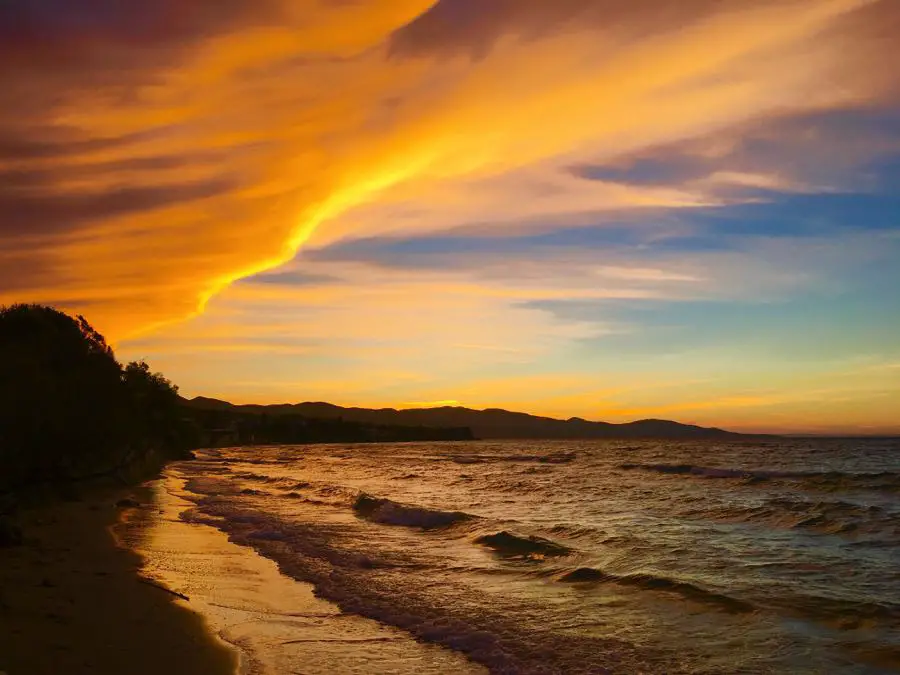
[163, 588]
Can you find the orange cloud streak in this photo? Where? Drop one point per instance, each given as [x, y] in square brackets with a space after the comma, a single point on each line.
[244, 145]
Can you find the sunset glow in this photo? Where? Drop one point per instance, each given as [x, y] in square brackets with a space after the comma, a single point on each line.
[606, 209]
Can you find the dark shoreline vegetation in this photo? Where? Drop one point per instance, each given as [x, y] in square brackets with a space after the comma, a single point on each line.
[70, 412]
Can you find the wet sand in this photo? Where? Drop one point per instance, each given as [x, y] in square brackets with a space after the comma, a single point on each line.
[278, 624]
[72, 602]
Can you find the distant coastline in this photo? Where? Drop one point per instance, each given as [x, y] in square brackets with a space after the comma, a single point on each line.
[441, 423]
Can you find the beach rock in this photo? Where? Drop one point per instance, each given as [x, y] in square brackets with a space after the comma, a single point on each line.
[10, 534]
[512, 545]
[583, 575]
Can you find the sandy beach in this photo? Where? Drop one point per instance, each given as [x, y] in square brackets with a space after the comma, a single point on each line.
[72, 601]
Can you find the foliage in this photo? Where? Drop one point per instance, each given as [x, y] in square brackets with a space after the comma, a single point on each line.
[67, 408]
[155, 411]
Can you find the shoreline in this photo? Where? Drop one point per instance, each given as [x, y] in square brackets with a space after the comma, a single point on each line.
[72, 600]
[278, 624]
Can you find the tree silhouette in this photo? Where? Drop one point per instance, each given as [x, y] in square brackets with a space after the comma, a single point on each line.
[155, 413]
[60, 403]
[67, 407]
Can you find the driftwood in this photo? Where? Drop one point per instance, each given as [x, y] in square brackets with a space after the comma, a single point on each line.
[163, 588]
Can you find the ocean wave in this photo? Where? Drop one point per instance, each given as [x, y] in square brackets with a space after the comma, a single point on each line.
[817, 480]
[842, 613]
[493, 637]
[212, 466]
[210, 487]
[263, 478]
[537, 470]
[836, 481]
[702, 471]
[511, 545]
[550, 458]
[656, 583]
[730, 536]
[836, 517]
[388, 512]
[326, 494]
[248, 475]
[575, 531]
[584, 575]
[301, 485]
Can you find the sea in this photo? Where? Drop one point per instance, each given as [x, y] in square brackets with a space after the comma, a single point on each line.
[758, 556]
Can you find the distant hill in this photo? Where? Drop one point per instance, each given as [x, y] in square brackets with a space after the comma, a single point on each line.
[492, 423]
[219, 424]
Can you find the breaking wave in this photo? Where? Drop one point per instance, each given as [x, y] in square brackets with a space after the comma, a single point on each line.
[655, 583]
[262, 478]
[493, 637]
[389, 512]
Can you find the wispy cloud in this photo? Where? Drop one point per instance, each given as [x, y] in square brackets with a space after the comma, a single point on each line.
[373, 116]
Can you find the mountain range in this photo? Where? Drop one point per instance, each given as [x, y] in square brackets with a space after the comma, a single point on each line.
[492, 423]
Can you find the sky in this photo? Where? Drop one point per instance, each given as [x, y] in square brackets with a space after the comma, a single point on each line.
[608, 209]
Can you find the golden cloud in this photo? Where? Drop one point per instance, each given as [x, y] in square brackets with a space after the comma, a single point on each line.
[156, 156]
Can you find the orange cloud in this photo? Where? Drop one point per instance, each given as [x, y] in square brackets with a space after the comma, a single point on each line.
[201, 146]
